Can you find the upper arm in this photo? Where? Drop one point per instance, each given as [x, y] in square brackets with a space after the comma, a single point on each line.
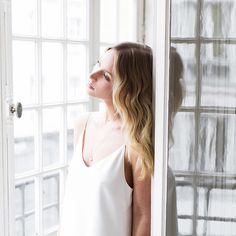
[141, 218]
[141, 191]
[79, 125]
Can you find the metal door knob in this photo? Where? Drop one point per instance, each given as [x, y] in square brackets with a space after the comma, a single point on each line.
[16, 108]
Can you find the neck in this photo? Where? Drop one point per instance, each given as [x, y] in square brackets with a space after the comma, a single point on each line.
[111, 115]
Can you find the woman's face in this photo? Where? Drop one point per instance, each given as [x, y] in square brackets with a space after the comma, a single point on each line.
[101, 78]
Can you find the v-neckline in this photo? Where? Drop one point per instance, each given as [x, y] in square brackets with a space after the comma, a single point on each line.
[101, 160]
[82, 147]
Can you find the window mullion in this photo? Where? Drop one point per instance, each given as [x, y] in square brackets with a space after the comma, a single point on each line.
[117, 17]
[93, 8]
[38, 179]
[197, 113]
[63, 159]
[140, 20]
[161, 44]
[7, 215]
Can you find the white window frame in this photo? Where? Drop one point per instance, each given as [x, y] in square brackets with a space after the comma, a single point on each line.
[6, 163]
[159, 38]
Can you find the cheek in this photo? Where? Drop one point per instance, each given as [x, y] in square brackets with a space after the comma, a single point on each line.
[108, 90]
[105, 89]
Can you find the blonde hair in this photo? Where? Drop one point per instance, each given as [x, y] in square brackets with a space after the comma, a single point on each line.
[132, 98]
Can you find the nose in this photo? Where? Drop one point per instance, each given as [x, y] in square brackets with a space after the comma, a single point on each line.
[93, 74]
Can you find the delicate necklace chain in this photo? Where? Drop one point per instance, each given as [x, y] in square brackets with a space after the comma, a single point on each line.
[96, 143]
[115, 117]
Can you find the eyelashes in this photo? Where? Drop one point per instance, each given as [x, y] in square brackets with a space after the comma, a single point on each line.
[106, 77]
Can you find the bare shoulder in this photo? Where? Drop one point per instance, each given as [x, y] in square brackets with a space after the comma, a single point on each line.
[133, 159]
[81, 121]
[136, 166]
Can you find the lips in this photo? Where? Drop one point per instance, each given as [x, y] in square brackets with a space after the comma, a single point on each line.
[90, 85]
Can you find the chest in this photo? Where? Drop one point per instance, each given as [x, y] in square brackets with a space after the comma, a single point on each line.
[99, 144]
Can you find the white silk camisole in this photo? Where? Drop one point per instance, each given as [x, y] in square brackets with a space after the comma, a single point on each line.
[98, 200]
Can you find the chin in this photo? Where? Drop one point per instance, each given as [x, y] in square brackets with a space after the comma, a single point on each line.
[89, 92]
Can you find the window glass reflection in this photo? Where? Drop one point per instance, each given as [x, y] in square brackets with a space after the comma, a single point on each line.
[202, 151]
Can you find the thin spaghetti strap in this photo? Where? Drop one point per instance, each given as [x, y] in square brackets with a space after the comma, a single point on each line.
[87, 122]
[84, 132]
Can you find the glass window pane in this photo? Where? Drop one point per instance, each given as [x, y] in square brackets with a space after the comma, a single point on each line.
[183, 18]
[50, 190]
[103, 49]
[217, 143]
[230, 144]
[52, 24]
[19, 228]
[50, 217]
[52, 135]
[187, 53]
[185, 200]
[50, 201]
[24, 17]
[118, 20]
[218, 19]
[201, 225]
[24, 71]
[217, 228]
[18, 201]
[30, 225]
[25, 131]
[77, 19]
[185, 227]
[202, 202]
[25, 201]
[127, 20]
[29, 198]
[218, 75]
[52, 72]
[102, 106]
[77, 72]
[108, 21]
[73, 113]
[181, 154]
[222, 203]
[207, 145]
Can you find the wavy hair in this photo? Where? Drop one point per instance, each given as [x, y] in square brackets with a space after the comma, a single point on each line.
[132, 98]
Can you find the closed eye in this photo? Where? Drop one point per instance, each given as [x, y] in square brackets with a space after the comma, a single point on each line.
[107, 77]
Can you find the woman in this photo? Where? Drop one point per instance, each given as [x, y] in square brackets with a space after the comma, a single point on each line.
[108, 190]
[176, 96]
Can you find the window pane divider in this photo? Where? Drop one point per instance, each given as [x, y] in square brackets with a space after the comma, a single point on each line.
[204, 40]
[50, 205]
[93, 7]
[54, 40]
[56, 104]
[51, 230]
[36, 173]
[207, 218]
[201, 174]
[210, 109]
[117, 17]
